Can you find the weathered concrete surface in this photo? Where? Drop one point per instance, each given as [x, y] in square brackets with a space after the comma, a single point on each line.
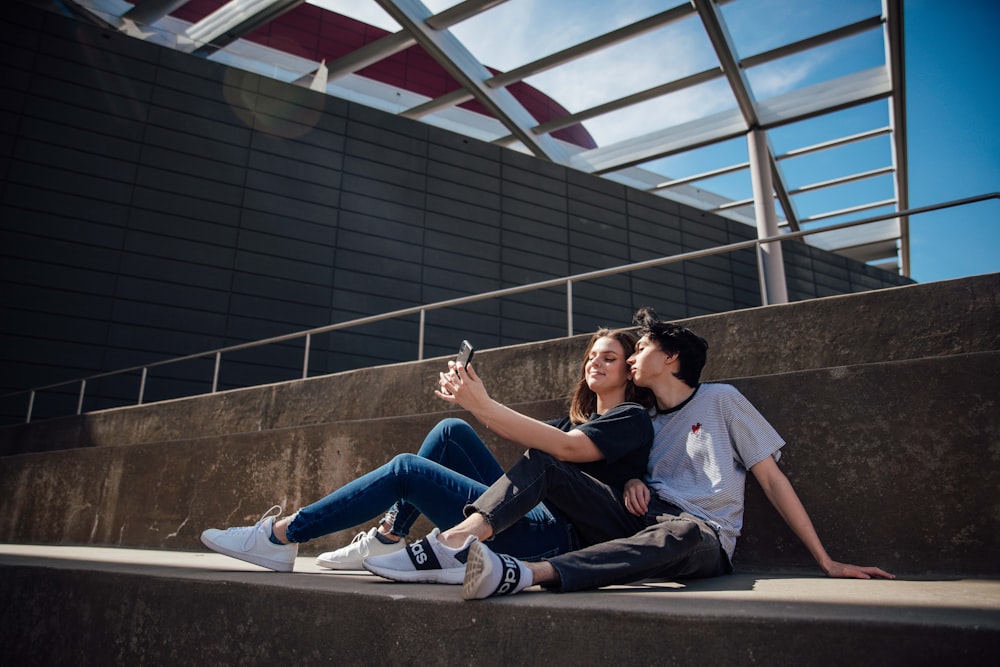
[542, 371]
[952, 317]
[887, 401]
[898, 463]
[162, 495]
[116, 606]
[912, 322]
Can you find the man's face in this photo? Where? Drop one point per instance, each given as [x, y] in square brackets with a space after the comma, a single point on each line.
[647, 362]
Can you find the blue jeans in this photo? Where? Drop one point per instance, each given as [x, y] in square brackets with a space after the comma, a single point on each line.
[451, 469]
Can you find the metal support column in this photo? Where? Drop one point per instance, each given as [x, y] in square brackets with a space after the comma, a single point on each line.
[773, 266]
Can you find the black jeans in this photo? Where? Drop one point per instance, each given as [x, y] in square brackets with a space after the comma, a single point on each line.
[617, 547]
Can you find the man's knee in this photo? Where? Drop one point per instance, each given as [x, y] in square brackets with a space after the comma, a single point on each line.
[679, 533]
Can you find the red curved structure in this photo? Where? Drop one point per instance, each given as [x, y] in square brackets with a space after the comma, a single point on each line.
[317, 34]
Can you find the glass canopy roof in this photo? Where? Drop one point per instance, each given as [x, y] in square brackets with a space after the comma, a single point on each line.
[656, 94]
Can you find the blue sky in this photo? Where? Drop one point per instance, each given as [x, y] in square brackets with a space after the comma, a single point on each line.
[953, 101]
[951, 55]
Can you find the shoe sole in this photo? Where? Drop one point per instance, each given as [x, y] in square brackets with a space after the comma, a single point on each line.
[334, 565]
[331, 564]
[478, 570]
[277, 566]
[451, 575]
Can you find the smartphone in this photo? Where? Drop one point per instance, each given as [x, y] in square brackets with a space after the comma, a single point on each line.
[465, 352]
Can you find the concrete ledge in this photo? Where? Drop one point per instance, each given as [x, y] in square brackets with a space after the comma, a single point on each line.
[162, 495]
[89, 606]
[897, 463]
[893, 462]
[951, 317]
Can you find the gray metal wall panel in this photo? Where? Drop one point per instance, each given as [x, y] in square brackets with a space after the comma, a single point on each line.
[155, 203]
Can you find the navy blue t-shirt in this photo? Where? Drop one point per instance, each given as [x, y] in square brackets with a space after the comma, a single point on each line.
[624, 434]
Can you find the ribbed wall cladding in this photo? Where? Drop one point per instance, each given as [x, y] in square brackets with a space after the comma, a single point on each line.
[156, 204]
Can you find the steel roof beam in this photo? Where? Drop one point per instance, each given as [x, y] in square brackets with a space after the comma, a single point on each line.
[460, 12]
[725, 51]
[850, 209]
[826, 97]
[560, 58]
[896, 57]
[457, 61]
[393, 43]
[630, 100]
[834, 143]
[851, 178]
[369, 54]
[679, 84]
[722, 42]
[661, 143]
[674, 182]
[850, 90]
[829, 37]
[598, 43]
[233, 20]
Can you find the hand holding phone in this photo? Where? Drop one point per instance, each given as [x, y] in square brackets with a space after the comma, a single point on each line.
[465, 352]
[462, 387]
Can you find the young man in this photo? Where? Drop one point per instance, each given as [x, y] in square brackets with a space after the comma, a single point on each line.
[683, 522]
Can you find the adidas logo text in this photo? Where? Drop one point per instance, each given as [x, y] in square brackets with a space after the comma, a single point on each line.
[511, 575]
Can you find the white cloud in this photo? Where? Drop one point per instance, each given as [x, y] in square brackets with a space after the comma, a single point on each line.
[367, 12]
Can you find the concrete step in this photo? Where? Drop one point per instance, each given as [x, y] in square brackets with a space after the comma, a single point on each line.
[101, 606]
[912, 322]
[887, 401]
[891, 460]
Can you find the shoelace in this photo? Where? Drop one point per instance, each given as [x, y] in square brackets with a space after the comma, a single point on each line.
[251, 531]
[361, 540]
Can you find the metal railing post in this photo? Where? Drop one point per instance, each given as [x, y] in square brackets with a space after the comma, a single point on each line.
[142, 384]
[760, 273]
[31, 406]
[420, 334]
[305, 360]
[569, 307]
[215, 375]
[79, 402]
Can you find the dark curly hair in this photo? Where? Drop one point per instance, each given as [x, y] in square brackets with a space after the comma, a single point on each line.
[690, 348]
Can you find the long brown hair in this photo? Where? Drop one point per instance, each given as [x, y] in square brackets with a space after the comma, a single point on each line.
[583, 400]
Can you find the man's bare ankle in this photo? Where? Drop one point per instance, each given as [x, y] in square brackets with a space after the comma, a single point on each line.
[383, 531]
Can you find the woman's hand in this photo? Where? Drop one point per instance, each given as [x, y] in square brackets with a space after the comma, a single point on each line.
[636, 497]
[461, 385]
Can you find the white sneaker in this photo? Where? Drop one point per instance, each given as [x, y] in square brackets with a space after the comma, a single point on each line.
[252, 544]
[362, 546]
[489, 574]
[426, 560]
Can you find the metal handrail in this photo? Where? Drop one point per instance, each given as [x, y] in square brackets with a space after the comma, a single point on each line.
[508, 291]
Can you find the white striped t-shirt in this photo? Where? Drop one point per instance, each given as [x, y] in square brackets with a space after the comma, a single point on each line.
[701, 454]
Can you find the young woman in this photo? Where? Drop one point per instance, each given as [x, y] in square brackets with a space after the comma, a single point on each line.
[607, 433]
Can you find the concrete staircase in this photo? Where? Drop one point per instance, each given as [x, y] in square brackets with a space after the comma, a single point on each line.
[887, 400]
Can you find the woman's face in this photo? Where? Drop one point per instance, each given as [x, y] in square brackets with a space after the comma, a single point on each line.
[605, 368]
